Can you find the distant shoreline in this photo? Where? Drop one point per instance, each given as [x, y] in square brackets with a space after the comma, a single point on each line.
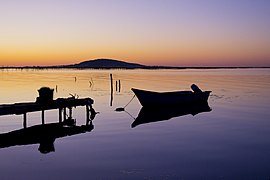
[118, 64]
[148, 67]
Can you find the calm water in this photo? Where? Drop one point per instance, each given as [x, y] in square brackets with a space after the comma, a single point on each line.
[230, 142]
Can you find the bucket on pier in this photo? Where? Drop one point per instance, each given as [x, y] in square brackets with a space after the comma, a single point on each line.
[45, 95]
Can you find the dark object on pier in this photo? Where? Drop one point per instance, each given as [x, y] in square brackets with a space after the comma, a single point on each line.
[153, 99]
[45, 95]
[195, 88]
[149, 115]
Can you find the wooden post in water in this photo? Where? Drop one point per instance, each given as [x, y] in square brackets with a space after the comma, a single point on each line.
[119, 83]
[24, 121]
[111, 82]
[111, 89]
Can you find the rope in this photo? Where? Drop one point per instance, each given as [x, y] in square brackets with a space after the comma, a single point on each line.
[130, 115]
[129, 101]
[123, 108]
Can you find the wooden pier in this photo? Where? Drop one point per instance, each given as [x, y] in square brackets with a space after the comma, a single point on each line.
[62, 104]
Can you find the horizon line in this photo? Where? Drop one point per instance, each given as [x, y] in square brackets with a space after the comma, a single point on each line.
[146, 67]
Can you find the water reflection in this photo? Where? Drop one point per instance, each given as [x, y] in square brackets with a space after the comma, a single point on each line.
[149, 115]
[231, 142]
[44, 135]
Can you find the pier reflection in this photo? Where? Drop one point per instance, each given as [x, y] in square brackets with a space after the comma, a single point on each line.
[44, 135]
[149, 115]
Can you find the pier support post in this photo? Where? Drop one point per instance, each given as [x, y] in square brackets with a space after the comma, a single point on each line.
[70, 112]
[42, 116]
[60, 115]
[24, 121]
[65, 114]
[87, 114]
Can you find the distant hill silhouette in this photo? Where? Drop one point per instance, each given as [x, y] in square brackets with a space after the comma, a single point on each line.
[117, 64]
[105, 63]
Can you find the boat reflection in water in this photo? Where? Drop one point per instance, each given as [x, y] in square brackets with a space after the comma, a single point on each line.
[44, 134]
[148, 115]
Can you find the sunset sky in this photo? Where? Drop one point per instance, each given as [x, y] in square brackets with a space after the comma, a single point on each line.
[151, 32]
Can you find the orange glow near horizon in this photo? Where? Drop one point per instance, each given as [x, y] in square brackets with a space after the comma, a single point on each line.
[165, 54]
[173, 54]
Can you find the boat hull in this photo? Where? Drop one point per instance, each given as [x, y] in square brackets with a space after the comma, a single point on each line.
[153, 99]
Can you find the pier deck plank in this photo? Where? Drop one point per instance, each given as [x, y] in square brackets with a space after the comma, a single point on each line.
[25, 107]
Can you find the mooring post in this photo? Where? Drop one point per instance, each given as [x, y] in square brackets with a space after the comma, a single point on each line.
[42, 116]
[119, 83]
[60, 115]
[111, 82]
[24, 120]
[111, 89]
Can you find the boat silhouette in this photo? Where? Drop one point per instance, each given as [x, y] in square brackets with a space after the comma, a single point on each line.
[44, 134]
[149, 115]
[160, 99]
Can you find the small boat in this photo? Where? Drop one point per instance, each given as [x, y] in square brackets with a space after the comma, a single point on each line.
[149, 115]
[153, 99]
